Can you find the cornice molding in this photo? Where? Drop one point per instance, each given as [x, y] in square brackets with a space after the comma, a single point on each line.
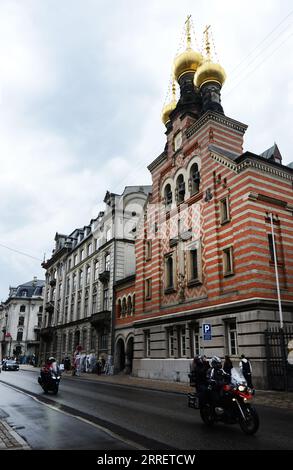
[224, 161]
[218, 118]
[253, 164]
[250, 163]
[160, 159]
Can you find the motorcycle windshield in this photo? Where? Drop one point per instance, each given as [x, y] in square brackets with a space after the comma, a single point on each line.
[55, 367]
[237, 377]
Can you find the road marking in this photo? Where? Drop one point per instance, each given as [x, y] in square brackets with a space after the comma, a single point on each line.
[57, 408]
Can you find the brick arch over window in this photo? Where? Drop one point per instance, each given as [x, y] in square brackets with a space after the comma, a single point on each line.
[168, 191]
[193, 173]
[125, 306]
[119, 308]
[180, 190]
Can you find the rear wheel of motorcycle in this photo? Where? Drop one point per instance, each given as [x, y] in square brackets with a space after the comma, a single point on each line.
[250, 424]
[207, 415]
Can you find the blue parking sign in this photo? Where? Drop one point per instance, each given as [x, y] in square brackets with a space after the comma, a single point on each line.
[207, 331]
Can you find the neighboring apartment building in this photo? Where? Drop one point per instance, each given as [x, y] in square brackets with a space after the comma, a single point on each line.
[20, 320]
[205, 253]
[80, 275]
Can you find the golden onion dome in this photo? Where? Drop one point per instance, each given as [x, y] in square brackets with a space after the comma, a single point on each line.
[187, 61]
[167, 110]
[209, 72]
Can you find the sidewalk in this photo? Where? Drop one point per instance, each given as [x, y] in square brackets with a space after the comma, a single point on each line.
[9, 439]
[262, 397]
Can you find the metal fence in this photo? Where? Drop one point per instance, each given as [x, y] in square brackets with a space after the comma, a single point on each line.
[279, 351]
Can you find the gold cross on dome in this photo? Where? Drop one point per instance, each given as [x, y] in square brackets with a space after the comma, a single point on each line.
[207, 41]
[188, 37]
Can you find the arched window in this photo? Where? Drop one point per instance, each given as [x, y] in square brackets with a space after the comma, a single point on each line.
[69, 349]
[22, 308]
[93, 339]
[19, 335]
[84, 339]
[194, 179]
[180, 189]
[64, 342]
[124, 307]
[94, 300]
[133, 304]
[107, 262]
[129, 306]
[119, 308]
[168, 195]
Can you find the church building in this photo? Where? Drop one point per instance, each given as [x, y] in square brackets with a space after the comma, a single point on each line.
[214, 224]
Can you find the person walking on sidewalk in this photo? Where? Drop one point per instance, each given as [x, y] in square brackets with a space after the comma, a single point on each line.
[228, 366]
[67, 364]
[246, 369]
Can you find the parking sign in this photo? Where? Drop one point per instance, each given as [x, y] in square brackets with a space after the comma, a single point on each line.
[207, 331]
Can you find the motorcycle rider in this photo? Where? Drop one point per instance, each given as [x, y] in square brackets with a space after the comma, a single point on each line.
[198, 377]
[50, 365]
[217, 377]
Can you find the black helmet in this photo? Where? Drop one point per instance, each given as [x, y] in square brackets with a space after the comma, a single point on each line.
[198, 360]
[216, 362]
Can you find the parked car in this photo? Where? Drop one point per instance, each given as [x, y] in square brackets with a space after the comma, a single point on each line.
[10, 364]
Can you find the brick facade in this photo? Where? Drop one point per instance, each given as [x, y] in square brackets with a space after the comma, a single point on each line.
[226, 221]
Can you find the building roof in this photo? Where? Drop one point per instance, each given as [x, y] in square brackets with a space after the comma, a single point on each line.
[28, 289]
[223, 152]
[272, 153]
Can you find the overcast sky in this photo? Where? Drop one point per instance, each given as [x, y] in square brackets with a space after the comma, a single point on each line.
[82, 84]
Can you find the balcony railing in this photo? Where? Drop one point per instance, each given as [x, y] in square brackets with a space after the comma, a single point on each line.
[49, 307]
[101, 318]
[104, 276]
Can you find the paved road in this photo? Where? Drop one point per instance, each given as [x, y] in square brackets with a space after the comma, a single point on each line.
[158, 420]
[44, 427]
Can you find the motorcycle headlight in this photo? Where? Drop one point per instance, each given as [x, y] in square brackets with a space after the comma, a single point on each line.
[241, 388]
[58, 378]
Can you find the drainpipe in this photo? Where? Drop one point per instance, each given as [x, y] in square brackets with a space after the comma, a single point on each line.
[113, 306]
[276, 272]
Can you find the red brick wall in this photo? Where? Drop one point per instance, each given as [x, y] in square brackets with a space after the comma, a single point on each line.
[247, 230]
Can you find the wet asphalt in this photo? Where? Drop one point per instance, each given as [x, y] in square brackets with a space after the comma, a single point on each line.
[140, 417]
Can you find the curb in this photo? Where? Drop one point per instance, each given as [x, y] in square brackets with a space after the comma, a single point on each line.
[23, 445]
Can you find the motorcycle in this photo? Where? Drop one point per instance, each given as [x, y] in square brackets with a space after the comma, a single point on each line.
[49, 379]
[232, 407]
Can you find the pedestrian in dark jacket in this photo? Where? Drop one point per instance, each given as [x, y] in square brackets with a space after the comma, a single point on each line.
[246, 369]
[67, 364]
[198, 377]
[228, 366]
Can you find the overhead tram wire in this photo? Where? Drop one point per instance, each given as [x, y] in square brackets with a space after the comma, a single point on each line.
[255, 68]
[20, 252]
[259, 53]
[261, 42]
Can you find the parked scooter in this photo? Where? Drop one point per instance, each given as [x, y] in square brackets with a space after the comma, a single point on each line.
[50, 376]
